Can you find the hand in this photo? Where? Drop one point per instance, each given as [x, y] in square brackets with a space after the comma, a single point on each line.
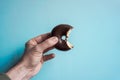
[33, 57]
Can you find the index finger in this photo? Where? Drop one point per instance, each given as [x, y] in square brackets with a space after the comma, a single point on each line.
[41, 37]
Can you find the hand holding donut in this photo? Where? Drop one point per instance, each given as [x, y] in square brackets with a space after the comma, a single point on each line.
[34, 57]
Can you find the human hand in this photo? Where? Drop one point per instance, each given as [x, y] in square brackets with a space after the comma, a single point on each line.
[33, 57]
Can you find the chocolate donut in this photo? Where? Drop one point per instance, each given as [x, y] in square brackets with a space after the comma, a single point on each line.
[60, 31]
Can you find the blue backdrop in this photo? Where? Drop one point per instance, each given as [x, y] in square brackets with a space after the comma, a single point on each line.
[96, 36]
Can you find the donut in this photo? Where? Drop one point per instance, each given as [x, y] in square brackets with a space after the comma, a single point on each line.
[59, 31]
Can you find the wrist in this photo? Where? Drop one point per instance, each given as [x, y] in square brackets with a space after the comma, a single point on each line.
[18, 72]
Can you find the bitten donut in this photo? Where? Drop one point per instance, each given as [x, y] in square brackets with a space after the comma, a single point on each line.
[60, 31]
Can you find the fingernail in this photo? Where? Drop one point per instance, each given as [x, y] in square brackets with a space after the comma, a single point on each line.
[54, 39]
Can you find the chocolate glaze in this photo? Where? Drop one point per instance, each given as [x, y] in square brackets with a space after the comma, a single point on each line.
[59, 31]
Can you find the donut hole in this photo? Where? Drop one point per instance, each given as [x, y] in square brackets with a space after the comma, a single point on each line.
[63, 37]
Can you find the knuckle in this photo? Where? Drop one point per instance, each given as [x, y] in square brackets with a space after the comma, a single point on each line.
[31, 42]
[37, 49]
[38, 38]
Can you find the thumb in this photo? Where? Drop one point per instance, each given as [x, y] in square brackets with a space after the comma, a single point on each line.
[46, 44]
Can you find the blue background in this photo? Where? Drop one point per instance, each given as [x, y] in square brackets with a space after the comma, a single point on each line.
[96, 36]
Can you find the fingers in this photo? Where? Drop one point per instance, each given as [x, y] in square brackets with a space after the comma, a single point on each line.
[34, 41]
[48, 49]
[47, 44]
[42, 37]
[48, 57]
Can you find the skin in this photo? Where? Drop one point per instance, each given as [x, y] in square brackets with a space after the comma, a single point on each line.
[33, 57]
